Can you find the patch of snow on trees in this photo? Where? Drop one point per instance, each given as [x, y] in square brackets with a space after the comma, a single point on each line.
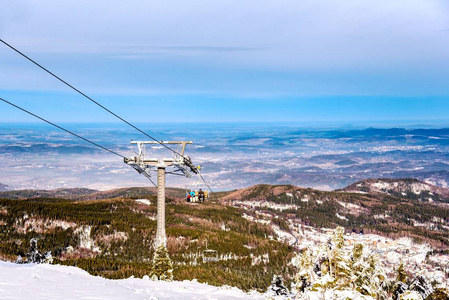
[34, 256]
[37, 225]
[85, 239]
[335, 270]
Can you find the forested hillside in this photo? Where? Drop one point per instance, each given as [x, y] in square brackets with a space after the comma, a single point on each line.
[379, 213]
[113, 238]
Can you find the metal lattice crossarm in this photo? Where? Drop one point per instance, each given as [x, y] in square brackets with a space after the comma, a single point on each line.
[145, 165]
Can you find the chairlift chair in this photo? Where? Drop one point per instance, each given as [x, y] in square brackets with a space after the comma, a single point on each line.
[210, 255]
[195, 186]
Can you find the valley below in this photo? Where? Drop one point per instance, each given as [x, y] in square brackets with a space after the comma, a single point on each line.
[232, 156]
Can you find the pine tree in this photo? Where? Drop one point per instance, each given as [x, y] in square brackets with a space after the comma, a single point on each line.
[162, 268]
[277, 286]
[421, 285]
[338, 239]
[357, 252]
[306, 273]
[338, 260]
[34, 256]
[336, 267]
[401, 275]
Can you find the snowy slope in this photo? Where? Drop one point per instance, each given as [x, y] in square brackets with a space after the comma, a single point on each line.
[41, 281]
[406, 188]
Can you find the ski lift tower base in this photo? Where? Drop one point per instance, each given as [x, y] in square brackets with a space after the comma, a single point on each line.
[161, 238]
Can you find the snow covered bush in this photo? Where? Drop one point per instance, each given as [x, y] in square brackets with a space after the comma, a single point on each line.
[333, 266]
[411, 295]
[337, 271]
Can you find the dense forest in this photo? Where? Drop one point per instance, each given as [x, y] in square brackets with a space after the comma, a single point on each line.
[382, 214]
[121, 232]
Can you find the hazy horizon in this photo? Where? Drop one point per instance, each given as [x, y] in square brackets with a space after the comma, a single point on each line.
[232, 156]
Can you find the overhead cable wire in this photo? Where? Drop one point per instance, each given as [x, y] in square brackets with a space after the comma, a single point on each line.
[95, 102]
[57, 126]
[66, 130]
[213, 193]
[87, 97]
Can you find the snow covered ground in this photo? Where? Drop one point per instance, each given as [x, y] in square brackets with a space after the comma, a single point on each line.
[41, 281]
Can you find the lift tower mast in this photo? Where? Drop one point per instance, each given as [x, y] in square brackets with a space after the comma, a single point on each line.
[145, 165]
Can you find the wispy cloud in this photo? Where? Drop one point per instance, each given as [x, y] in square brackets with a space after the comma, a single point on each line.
[151, 51]
[230, 49]
[210, 48]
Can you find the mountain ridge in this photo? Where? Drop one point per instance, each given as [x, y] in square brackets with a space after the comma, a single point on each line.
[404, 187]
[88, 194]
[379, 213]
[408, 188]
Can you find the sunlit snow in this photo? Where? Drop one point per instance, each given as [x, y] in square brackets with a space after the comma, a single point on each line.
[42, 281]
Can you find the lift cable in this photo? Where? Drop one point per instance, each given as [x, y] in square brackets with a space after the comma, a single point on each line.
[100, 105]
[87, 97]
[212, 192]
[66, 130]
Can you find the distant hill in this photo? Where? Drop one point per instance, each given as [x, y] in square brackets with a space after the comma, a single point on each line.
[346, 162]
[405, 188]
[89, 194]
[3, 187]
[73, 193]
[358, 211]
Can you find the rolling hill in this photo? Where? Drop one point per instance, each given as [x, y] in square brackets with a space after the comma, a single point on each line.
[378, 213]
[89, 194]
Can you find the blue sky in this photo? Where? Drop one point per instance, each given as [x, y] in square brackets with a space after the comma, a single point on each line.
[217, 61]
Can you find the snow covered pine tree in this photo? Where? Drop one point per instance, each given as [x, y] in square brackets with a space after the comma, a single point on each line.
[34, 256]
[335, 269]
[162, 268]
